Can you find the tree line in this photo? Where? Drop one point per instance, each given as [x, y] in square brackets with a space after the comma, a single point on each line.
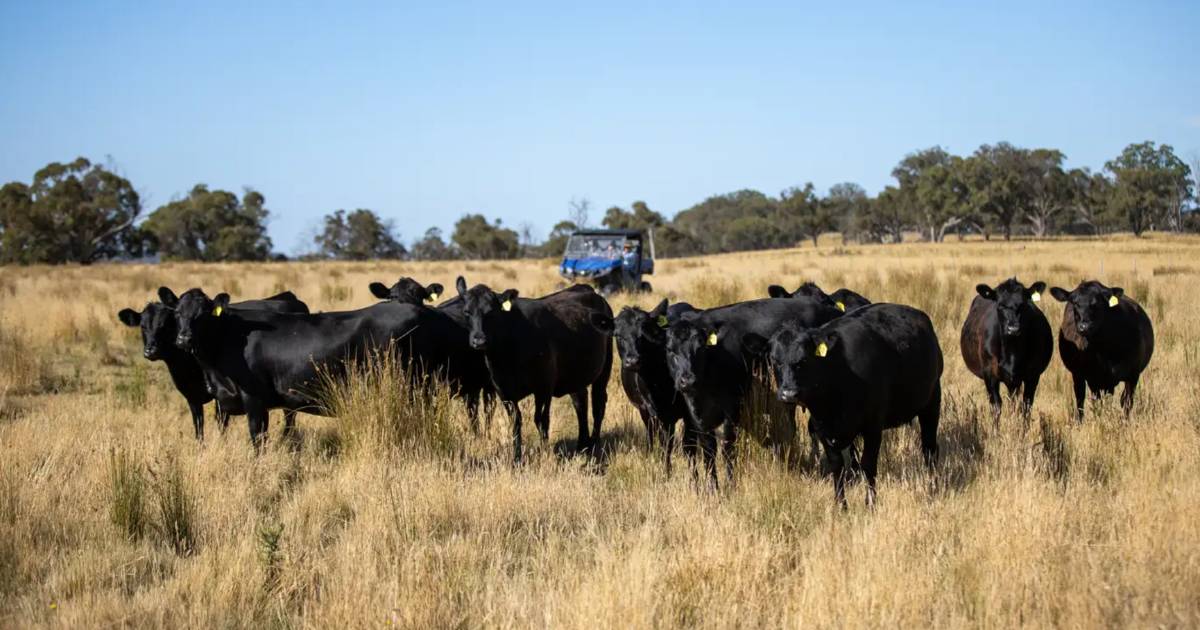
[83, 212]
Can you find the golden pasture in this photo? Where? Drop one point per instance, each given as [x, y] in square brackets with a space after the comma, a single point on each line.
[111, 514]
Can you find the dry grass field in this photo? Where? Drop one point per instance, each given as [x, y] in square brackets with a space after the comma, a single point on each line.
[111, 514]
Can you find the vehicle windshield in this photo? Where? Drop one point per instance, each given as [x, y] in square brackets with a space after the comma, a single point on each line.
[595, 246]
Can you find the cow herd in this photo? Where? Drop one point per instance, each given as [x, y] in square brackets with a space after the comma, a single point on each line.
[856, 367]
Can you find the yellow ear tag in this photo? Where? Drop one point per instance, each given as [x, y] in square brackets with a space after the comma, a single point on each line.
[506, 305]
[1036, 297]
[433, 296]
[841, 306]
[217, 311]
[712, 338]
[1113, 301]
[822, 349]
[662, 321]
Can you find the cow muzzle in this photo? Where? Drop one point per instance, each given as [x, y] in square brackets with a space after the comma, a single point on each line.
[184, 342]
[788, 395]
[686, 383]
[478, 341]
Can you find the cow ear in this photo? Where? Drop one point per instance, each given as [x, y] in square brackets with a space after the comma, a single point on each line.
[1038, 287]
[985, 292]
[221, 301]
[1060, 294]
[1117, 291]
[461, 286]
[602, 323]
[777, 291]
[434, 290]
[509, 294]
[755, 344]
[130, 317]
[167, 297]
[380, 291]
[659, 311]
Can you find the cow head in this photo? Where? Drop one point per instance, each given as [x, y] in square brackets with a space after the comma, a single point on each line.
[1089, 304]
[157, 322]
[1014, 303]
[847, 300]
[842, 299]
[486, 311]
[407, 291]
[796, 358]
[689, 348]
[640, 333]
[194, 315]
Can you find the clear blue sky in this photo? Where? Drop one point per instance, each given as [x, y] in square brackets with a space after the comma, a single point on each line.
[510, 109]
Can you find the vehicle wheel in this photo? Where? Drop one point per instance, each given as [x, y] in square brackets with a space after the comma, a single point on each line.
[646, 288]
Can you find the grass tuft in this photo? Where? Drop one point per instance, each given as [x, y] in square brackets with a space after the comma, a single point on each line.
[127, 488]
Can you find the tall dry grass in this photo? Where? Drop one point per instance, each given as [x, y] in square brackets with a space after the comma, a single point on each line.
[396, 515]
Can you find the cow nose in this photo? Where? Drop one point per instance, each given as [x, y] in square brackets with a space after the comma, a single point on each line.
[632, 362]
[787, 395]
[687, 383]
[183, 341]
[478, 341]
[1012, 330]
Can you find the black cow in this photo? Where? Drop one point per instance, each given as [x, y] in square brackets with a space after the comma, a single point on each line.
[1006, 339]
[641, 343]
[546, 347]
[721, 382]
[873, 369]
[466, 371]
[157, 322]
[843, 299]
[1105, 338]
[408, 291]
[274, 359]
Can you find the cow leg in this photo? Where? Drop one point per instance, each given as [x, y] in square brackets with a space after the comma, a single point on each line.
[222, 417]
[708, 446]
[541, 415]
[870, 462]
[471, 399]
[729, 448]
[837, 466]
[690, 444]
[928, 419]
[666, 432]
[289, 421]
[256, 419]
[1127, 395]
[815, 443]
[648, 422]
[993, 393]
[514, 414]
[197, 410]
[599, 404]
[1080, 386]
[1027, 394]
[579, 399]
